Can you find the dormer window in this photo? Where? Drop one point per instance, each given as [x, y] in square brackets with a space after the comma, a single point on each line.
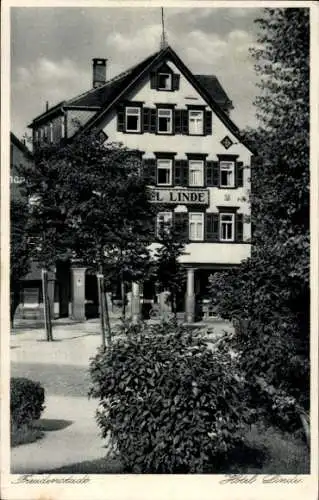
[164, 81]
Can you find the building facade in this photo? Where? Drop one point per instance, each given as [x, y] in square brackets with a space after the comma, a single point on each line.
[192, 151]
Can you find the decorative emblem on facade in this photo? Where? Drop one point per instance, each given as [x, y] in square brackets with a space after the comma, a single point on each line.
[226, 142]
[227, 197]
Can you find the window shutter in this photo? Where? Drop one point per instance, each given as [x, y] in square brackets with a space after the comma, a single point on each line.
[181, 224]
[209, 173]
[150, 170]
[146, 120]
[239, 174]
[215, 178]
[153, 80]
[121, 119]
[178, 173]
[175, 82]
[184, 168]
[184, 121]
[239, 227]
[153, 121]
[178, 121]
[208, 123]
[212, 227]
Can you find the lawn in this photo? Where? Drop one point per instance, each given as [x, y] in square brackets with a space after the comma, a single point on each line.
[266, 451]
[24, 435]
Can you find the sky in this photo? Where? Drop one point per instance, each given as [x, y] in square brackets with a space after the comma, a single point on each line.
[52, 50]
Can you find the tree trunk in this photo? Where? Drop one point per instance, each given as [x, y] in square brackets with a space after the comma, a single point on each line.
[123, 298]
[173, 302]
[14, 302]
[46, 306]
[104, 312]
[107, 318]
[100, 280]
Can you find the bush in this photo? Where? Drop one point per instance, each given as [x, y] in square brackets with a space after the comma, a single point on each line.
[26, 401]
[168, 402]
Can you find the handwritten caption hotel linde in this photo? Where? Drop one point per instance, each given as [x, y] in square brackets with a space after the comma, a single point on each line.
[184, 196]
[251, 479]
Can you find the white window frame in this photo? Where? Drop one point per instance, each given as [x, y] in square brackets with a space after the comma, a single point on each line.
[166, 110]
[168, 167]
[169, 81]
[167, 219]
[196, 129]
[228, 222]
[227, 166]
[198, 222]
[191, 167]
[133, 111]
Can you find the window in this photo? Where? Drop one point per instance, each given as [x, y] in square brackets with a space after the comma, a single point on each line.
[164, 81]
[164, 172]
[196, 173]
[195, 122]
[227, 227]
[196, 226]
[133, 120]
[163, 223]
[164, 121]
[227, 174]
[51, 132]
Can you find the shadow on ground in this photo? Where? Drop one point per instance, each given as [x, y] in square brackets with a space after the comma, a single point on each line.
[50, 424]
[266, 452]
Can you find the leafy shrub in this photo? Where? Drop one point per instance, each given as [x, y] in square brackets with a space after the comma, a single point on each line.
[169, 403]
[26, 401]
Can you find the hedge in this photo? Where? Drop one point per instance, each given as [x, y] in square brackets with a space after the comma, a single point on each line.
[168, 402]
[26, 401]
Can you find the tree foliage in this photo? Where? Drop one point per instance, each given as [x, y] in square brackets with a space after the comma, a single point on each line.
[169, 273]
[271, 290]
[90, 202]
[19, 249]
[168, 402]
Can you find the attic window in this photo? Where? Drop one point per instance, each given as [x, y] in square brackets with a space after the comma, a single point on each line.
[164, 81]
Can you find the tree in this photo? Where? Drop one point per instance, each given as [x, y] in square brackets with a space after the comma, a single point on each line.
[274, 284]
[48, 239]
[169, 273]
[19, 251]
[108, 216]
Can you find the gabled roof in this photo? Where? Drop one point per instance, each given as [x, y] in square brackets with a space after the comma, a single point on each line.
[97, 98]
[104, 98]
[103, 94]
[139, 72]
[214, 88]
[20, 145]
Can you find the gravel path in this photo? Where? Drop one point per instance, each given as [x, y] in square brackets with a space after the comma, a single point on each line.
[59, 380]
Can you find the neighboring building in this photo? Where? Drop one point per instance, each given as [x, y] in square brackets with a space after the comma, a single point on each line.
[193, 151]
[20, 155]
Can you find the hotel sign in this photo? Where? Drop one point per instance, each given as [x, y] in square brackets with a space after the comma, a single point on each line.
[180, 196]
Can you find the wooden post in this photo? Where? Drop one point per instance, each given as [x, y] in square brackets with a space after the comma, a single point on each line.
[46, 306]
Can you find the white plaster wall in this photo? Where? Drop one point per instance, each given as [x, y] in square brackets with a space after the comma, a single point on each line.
[182, 144]
[212, 253]
[179, 143]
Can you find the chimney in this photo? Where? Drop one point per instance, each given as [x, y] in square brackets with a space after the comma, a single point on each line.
[99, 72]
